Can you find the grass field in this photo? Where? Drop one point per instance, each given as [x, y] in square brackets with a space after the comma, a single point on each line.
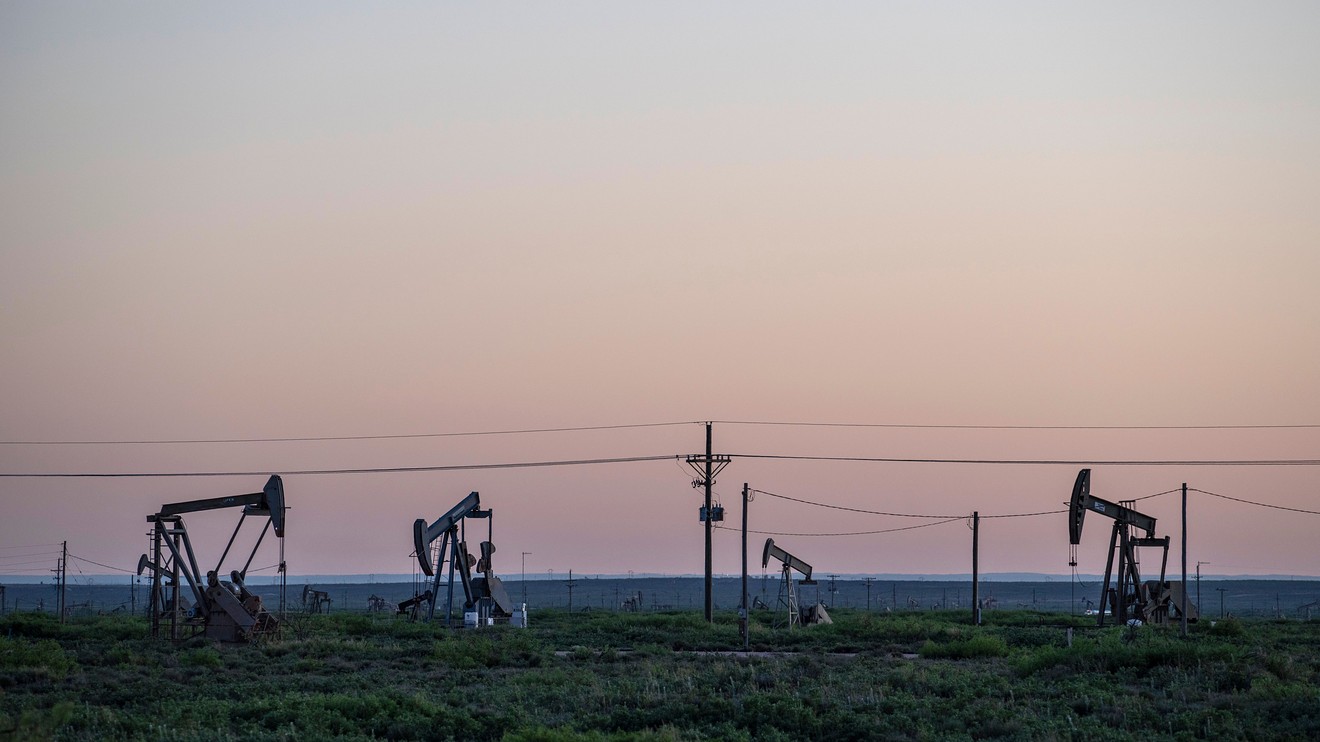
[663, 675]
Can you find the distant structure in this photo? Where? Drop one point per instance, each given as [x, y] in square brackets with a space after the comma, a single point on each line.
[633, 603]
[315, 601]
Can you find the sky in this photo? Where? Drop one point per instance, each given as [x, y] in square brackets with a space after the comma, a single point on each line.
[340, 219]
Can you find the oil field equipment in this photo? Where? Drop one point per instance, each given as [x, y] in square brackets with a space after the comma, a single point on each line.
[787, 593]
[224, 610]
[315, 601]
[1129, 598]
[486, 600]
[412, 606]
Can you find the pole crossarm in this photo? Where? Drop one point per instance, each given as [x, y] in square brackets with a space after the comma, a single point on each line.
[698, 463]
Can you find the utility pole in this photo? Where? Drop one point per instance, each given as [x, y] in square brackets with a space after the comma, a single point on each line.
[1221, 600]
[868, 593]
[1183, 607]
[833, 590]
[707, 467]
[976, 567]
[570, 584]
[63, 574]
[744, 616]
[1199, 604]
[524, 577]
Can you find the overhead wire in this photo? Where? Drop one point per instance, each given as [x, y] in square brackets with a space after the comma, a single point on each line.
[309, 439]
[919, 426]
[923, 515]
[355, 470]
[25, 555]
[851, 533]
[107, 566]
[9, 565]
[661, 457]
[1036, 462]
[854, 510]
[1252, 502]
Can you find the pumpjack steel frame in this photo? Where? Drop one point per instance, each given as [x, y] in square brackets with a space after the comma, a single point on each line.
[1129, 598]
[486, 593]
[226, 611]
[789, 564]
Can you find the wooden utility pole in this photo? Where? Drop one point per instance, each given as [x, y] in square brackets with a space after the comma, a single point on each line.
[570, 584]
[707, 467]
[63, 575]
[976, 567]
[1183, 608]
[709, 528]
[744, 614]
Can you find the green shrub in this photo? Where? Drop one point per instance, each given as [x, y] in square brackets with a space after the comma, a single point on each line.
[1227, 627]
[201, 657]
[970, 648]
[43, 657]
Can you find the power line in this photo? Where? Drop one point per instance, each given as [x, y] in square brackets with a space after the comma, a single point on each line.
[582, 428]
[1025, 515]
[854, 510]
[635, 459]
[853, 533]
[1251, 502]
[919, 515]
[1157, 494]
[308, 439]
[107, 566]
[368, 470]
[1038, 462]
[916, 426]
[30, 546]
[11, 564]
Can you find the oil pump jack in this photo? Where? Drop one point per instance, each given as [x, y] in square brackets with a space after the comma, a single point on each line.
[485, 595]
[224, 610]
[1130, 598]
[788, 595]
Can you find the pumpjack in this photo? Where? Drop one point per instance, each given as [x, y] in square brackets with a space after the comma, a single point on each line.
[788, 594]
[1129, 598]
[315, 601]
[224, 610]
[484, 595]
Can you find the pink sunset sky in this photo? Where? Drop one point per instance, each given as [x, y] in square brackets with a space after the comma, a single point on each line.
[254, 221]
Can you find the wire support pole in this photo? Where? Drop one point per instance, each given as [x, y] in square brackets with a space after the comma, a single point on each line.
[744, 615]
[707, 467]
[976, 568]
[1182, 609]
[63, 575]
[710, 612]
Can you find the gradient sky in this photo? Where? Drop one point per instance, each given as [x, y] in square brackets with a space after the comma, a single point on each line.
[331, 219]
